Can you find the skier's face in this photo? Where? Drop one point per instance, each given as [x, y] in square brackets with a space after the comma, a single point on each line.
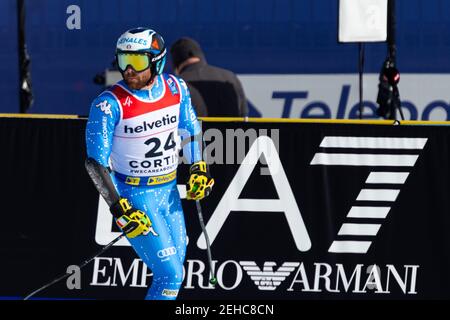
[136, 80]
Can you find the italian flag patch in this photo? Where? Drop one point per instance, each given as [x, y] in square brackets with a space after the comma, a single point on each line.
[121, 222]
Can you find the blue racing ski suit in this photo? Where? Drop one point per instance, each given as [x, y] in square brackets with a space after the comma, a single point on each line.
[136, 133]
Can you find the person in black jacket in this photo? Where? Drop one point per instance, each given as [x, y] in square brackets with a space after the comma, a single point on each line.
[215, 92]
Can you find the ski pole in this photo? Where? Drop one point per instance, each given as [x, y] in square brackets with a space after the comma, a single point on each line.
[65, 275]
[213, 279]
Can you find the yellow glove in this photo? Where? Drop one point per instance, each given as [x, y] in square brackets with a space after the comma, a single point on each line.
[133, 222]
[200, 182]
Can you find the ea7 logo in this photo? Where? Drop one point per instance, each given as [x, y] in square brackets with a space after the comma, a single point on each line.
[390, 164]
[268, 279]
[354, 153]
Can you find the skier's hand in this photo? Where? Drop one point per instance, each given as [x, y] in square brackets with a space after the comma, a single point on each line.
[132, 221]
[200, 182]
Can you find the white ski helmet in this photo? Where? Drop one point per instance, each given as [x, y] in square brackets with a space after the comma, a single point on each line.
[144, 40]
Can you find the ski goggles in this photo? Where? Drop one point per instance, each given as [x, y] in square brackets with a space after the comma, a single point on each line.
[139, 62]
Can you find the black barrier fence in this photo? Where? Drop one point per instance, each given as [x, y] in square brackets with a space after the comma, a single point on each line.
[306, 211]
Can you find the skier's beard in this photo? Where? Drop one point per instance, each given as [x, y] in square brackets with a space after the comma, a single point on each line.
[136, 80]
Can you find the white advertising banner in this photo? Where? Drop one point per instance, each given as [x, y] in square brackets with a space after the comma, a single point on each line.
[336, 96]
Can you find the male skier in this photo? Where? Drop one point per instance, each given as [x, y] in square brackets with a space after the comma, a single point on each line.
[132, 149]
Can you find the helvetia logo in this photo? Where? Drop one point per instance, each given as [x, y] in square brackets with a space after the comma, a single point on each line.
[148, 126]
